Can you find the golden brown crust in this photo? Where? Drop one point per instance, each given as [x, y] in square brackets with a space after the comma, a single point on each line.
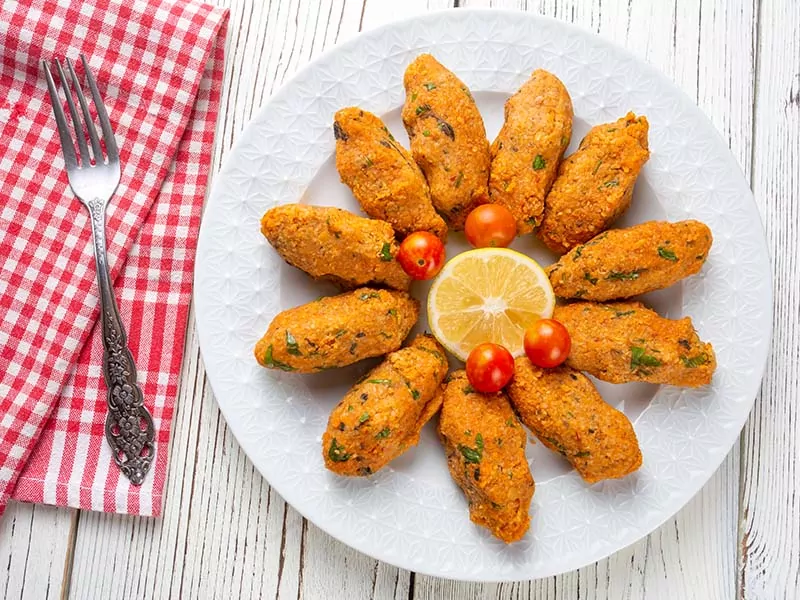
[382, 415]
[626, 341]
[565, 411]
[485, 446]
[337, 331]
[384, 178]
[595, 184]
[529, 147]
[448, 139]
[335, 245]
[621, 263]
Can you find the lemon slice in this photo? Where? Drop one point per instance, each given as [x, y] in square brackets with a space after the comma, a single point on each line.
[488, 295]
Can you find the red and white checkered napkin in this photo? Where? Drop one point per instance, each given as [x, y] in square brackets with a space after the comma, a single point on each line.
[159, 65]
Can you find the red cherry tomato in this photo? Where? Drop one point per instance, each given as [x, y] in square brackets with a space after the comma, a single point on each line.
[490, 225]
[489, 367]
[547, 343]
[421, 255]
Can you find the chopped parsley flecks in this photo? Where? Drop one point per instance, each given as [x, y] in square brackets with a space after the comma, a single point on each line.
[337, 453]
[273, 363]
[624, 275]
[473, 455]
[694, 361]
[291, 345]
[641, 362]
[667, 254]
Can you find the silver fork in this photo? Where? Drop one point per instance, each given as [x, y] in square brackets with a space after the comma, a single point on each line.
[129, 426]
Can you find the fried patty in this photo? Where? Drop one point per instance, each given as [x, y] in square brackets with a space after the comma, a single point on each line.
[338, 330]
[595, 184]
[384, 178]
[382, 415]
[448, 139]
[335, 245]
[565, 411]
[626, 341]
[621, 263]
[529, 147]
[485, 447]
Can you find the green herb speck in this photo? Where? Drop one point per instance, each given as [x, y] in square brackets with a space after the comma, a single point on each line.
[273, 363]
[291, 345]
[336, 452]
[694, 361]
[460, 178]
[380, 381]
[430, 86]
[386, 252]
[588, 277]
[539, 163]
[640, 360]
[367, 295]
[363, 418]
[383, 433]
[624, 275]
[471, 455]
[426, 133]
[667, 254]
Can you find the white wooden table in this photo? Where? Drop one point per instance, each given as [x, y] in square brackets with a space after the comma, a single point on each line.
[226, 534]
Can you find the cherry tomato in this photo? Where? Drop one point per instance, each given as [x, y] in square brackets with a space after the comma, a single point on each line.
[489, 367]
[490, 225]
[421, 255]
[547, 343]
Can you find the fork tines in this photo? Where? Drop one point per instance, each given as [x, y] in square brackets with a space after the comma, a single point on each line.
[85, 128]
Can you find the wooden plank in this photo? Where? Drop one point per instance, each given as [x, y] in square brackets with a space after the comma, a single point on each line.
[706, 48]
[35, 545]
[769, 565]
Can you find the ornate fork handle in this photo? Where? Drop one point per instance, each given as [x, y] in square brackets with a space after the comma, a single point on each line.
[129, 426]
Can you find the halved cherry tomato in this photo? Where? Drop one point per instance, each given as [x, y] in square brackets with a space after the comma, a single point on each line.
[490, 226]
[489, 367]
[547, 343]
[421, 255]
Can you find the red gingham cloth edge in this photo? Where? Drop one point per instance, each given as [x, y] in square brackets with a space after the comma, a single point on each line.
[159, 64]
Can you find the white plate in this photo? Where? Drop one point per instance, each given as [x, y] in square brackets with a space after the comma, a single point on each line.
[411, 514]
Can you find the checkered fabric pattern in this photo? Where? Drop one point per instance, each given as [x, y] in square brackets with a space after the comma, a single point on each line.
[159, 66]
